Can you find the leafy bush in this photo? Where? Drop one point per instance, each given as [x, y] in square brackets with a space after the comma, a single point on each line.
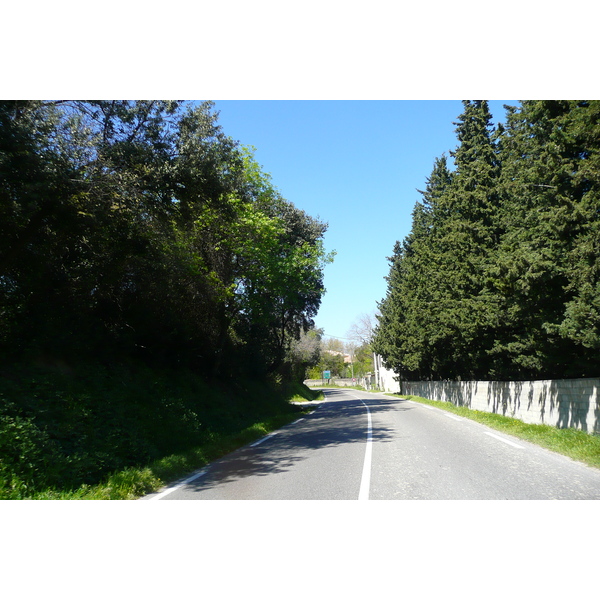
[66, 429]
[27, 457]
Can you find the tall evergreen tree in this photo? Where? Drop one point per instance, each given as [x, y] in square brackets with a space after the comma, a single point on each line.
[408, 335]
[464, 229]
[547, 267]
[499, 277]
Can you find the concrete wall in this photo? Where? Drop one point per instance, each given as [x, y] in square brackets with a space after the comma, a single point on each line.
[559, 402]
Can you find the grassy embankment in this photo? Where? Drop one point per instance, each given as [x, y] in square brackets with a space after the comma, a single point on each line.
[576, 444]
[94, 432]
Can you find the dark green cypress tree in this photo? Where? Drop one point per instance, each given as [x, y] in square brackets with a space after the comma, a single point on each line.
[466, 241]
[581, 323]
[547, 265]
[500, 275]
[440, 312]
[408, 336]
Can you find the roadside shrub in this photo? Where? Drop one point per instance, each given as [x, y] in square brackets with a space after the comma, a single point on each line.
[64, 430]
[28, 457]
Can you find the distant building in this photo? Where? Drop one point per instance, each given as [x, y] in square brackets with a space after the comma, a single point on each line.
[347, 357]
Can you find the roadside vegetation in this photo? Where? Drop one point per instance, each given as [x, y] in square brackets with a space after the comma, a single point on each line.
[302, 393]
[576, 444]
[499, 278]
[118, 433]
[343, 360]
[157, 296]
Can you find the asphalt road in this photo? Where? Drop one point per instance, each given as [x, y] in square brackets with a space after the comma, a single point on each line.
[364, 446]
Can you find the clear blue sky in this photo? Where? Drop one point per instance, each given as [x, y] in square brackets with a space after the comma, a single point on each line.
[356, 165]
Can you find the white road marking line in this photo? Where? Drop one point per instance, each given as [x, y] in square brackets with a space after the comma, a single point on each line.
[263, 439]
[176, 487]
[450, 416]
[365, 482]
[203, 471]
[503, 440]
[427, 406]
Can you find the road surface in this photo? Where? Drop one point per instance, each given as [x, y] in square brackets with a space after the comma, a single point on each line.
[364, 446]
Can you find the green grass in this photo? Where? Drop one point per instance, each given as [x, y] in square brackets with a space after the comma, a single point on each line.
[300, 393]
[119, 432]
[132, 483]
[576, 444]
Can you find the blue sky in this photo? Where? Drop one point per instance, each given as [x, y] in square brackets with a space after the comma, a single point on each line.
[356, 165]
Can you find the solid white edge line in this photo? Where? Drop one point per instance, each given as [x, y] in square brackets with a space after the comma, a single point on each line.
[452, 416]
[176, 487]
[264, 439]
[503, 440]
[193, 477]
[365, 481]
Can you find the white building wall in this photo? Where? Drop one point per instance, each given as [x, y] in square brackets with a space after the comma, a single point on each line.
[386, 380]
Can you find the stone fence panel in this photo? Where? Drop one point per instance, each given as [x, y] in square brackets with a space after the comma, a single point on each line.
[561, 402]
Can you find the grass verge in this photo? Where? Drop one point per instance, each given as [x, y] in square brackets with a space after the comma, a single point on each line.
[300, 393]
[120, 431]
[576, 444]
[132, 483]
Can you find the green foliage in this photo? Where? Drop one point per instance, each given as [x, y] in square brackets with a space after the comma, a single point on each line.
[138, 233]
[139, 229]
[333, 363]
[302, 355]
[332, 358]
[499, 277]
[27, 456]
[94, 432]
[298, 392]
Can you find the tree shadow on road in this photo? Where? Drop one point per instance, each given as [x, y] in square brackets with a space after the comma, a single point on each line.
[337, 422]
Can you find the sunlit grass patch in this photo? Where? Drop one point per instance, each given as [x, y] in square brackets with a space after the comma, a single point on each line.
[298, 392]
